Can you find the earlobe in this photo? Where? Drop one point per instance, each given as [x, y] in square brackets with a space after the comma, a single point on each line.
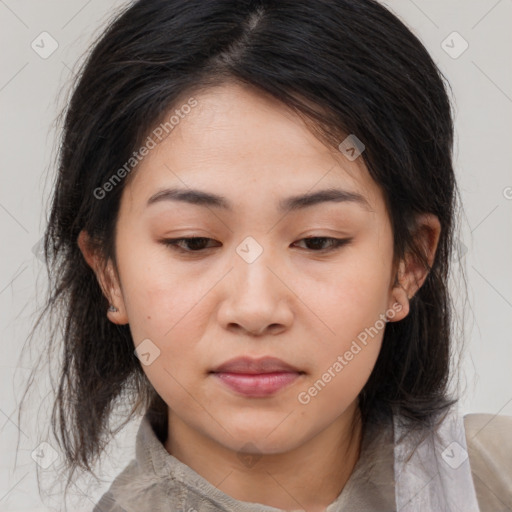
[106, 278]
[398, 307]
[117, 315]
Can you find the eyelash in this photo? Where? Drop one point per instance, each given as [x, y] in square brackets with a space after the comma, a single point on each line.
[336, 243]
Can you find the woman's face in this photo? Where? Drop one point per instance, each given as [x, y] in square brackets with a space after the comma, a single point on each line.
[255, 287]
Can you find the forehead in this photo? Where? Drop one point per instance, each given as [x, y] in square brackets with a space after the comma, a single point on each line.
[243, 145]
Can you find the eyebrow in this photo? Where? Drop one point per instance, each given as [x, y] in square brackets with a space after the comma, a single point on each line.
[298, 202]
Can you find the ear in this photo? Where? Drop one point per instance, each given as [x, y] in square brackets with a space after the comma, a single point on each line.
[106, 276]
[411, 272]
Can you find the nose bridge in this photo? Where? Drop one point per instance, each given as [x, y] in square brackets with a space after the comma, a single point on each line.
[256, 298]
[252, 266]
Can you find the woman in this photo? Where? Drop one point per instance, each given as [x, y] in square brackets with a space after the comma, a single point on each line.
[251, 233]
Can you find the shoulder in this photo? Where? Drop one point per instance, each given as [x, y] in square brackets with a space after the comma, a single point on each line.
[489, 443]
[109, 500]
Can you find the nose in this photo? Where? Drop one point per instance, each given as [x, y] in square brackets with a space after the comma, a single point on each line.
[257, 300]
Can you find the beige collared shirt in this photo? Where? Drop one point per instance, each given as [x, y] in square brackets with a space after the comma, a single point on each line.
[156, 481]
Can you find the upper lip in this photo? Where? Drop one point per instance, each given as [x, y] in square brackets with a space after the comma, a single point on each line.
[250, 365]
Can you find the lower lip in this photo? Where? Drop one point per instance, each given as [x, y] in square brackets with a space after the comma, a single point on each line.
[257, 385]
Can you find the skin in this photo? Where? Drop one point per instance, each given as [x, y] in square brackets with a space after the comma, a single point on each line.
[295, 302]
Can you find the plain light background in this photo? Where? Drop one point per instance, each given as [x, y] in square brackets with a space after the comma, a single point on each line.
[33, 90]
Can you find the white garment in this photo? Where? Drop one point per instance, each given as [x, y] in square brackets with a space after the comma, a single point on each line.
[433, 473]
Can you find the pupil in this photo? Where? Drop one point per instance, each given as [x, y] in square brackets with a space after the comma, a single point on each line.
[316, 242]
[197, 243]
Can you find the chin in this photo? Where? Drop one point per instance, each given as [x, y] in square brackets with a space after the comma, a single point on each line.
[261, 438]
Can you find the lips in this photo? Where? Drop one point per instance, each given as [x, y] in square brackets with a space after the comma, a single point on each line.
[256, 378]
[251, 366]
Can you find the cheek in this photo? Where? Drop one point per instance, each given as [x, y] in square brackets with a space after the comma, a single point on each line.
[159, 297]
[340, 378]
[166, 308]
[352, 307]
[351, 301]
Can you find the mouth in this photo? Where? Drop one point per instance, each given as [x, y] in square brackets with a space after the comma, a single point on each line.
[252, 366]
[256, 378]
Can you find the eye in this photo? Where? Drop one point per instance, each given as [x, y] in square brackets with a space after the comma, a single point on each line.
[316, 243]
[196, 244]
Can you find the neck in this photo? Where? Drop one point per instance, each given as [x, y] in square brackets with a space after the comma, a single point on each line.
[309, 477]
